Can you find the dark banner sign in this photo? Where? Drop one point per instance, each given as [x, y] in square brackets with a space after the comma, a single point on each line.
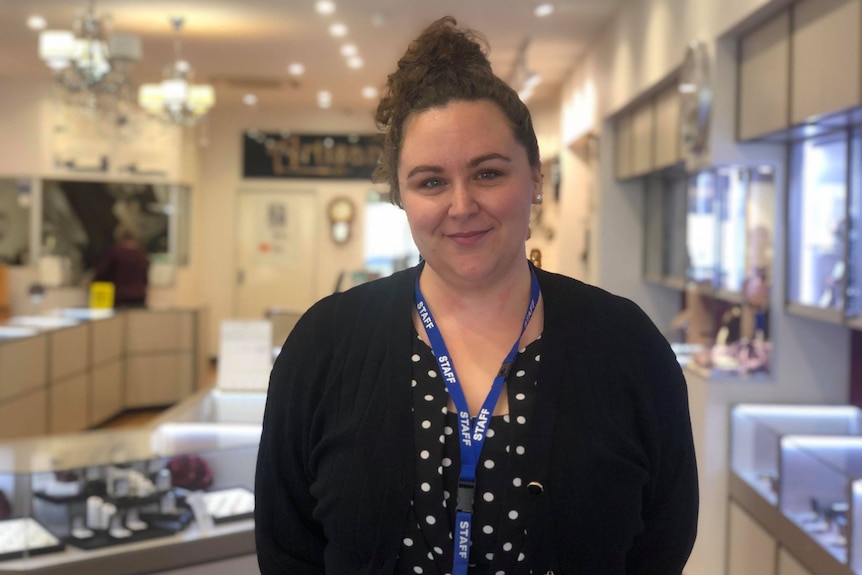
[278, 155]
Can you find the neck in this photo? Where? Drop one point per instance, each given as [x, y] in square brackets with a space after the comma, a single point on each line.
[507, 295]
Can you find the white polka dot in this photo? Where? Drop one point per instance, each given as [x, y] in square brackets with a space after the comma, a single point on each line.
[445, 494]
[521, 556]
[489, 464]
[417, 569]
[513, 514]
[448, 430]
[424, 454]
[489, 433]
[489, 556]
[432, 373]
[522, 420]
[408, 542]
[444, 410]
[539, 357]
[415, 357]
[446, 462]
[442, 439]
[500, 573]
[426, 487]
[439, 471]
[520, 397]
[487, 529]
[506, 418]
[413, 383]
[520, 373]
[520, 450]
[426, 424]
[429, 397]
[516, 482]
[430, 556]
[438, 551]
[488, 496]
[522, 350]
[431, 521]
[507, 546]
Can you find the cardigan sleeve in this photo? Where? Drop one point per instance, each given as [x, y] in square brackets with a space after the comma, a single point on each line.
[288, 538]
[670, 505]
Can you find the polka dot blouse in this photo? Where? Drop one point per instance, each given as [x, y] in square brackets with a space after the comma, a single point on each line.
[498, 523]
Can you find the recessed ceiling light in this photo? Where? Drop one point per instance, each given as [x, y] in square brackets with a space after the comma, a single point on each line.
[324, 7]
[338, 30]
[543, 10]
[324, 99]
[355, 62]
[36, 22]
[369, 92]
[296, 69]
[249, 100]
[349, 50]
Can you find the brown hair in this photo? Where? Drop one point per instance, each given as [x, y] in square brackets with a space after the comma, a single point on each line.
[444, 64]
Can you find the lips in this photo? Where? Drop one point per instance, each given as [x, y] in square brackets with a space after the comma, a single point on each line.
[467, 238]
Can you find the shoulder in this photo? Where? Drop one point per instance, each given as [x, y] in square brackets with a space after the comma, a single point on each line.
[569, 296]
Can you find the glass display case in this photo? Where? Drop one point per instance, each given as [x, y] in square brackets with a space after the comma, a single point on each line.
[65, 495]
[701, 229]
[820, 491]
[757, 431]
[817, 226]
[665, 258]
[15, 202]
[854, 280]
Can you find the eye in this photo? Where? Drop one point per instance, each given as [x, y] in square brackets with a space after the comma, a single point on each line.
[431, 183]
[487, 175]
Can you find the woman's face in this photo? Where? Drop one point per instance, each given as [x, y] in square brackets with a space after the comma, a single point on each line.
[467, 186]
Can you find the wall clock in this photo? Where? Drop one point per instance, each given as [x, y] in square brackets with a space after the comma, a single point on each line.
[695, 98]
[341, 212]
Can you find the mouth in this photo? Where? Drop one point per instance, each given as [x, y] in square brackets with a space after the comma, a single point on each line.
[467, 238]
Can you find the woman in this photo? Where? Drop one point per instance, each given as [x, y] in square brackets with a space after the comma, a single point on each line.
[472, 414]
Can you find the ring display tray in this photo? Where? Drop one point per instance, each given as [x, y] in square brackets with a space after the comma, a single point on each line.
[26, 537]
[102, 538]
[232, 504]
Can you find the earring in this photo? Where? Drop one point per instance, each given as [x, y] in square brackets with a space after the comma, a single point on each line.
[538, 198]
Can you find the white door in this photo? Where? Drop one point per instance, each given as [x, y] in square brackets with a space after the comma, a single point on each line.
[276, 261]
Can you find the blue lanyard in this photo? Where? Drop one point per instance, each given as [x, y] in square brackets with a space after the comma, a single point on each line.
[472, 436]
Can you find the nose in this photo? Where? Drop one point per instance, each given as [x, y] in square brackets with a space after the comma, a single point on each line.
[462, 202]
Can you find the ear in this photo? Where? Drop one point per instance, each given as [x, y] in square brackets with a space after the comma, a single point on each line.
[537, 186]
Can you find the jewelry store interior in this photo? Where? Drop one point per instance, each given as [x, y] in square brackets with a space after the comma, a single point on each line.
[702, 158]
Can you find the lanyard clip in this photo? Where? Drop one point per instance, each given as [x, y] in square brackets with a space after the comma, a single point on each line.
[464, 503]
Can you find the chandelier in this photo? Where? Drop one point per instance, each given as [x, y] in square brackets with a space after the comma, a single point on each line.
[89, 64]
[176, 97]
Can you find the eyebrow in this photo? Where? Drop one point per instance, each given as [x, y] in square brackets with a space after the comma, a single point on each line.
[472, 163]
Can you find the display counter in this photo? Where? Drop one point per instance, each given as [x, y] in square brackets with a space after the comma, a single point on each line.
[795, 488]
[72, 369]
[172, 495]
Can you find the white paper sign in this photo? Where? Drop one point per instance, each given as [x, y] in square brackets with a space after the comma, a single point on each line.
[245, 355]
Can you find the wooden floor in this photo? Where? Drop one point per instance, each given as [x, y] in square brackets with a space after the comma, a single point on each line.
[132, 418]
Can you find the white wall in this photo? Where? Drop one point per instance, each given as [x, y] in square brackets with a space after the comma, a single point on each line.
[221, 179]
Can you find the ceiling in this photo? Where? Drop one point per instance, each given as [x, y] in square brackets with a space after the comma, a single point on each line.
[245, 46]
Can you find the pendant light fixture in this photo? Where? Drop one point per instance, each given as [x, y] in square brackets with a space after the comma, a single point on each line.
[176, 98]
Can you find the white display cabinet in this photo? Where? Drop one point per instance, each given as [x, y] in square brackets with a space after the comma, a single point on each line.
[757, 431]
[820, 491]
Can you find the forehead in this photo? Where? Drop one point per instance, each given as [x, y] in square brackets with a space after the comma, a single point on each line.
[461, 126]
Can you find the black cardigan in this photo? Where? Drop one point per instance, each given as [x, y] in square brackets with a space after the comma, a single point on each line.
[610, 441]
